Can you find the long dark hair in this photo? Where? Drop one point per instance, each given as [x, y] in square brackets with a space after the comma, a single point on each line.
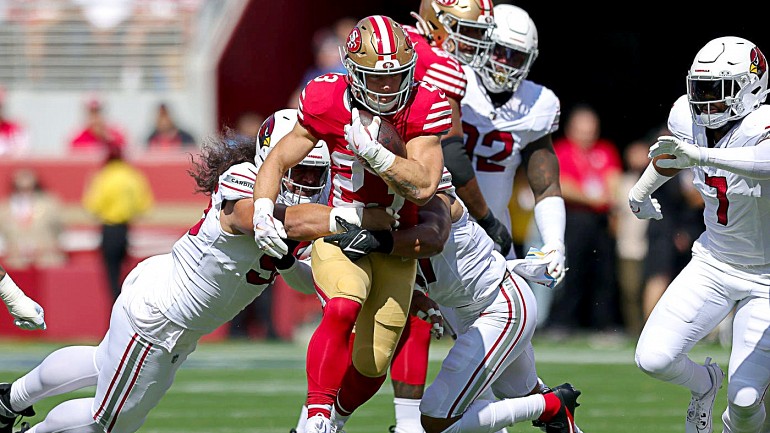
[219, 153]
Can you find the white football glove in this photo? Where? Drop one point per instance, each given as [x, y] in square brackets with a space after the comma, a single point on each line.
[428, 310]
[362, 141]
[268, 231]
[687, 155]
[647, 208]
[533, 268]
[28, 314]
[555, 251]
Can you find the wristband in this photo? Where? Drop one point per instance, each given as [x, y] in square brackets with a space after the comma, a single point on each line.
[353, 215]
[9, 291]
[551, 219]
[382, 160]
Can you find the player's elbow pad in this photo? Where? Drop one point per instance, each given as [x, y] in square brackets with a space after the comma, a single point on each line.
[457, 161]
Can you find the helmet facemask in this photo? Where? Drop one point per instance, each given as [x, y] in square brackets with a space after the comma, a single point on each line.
[380, 103]
[379, 52]
[506, 67]
[303, 184]
[727, 81]
[467, 41]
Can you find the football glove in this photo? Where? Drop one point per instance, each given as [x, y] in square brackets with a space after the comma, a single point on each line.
[647, 208]
[27, 314]
[497, 231]
[268, 231]
[555, 252]
[356, 242]
[428, 310]
[534, 267]
[686, 155]
[362, 141]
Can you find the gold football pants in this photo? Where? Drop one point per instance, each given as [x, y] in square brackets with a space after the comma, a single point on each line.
[383, 285]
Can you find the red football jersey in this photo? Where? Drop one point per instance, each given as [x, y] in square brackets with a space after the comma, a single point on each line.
[437, 67]
[324, 110]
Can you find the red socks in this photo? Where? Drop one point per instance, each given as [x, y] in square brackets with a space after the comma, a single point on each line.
[356, 389]
[552, 406]
[410, 362]
[328, 354]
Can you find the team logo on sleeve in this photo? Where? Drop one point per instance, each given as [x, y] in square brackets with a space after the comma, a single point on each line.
[447, 2]
[758, 62]
[354, 40]
[265, 132]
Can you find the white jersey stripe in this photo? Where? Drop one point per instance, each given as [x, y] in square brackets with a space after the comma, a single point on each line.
[447, 121]
[443, 86]
[445, 70]
[444, 78]
[435, 114]
[441, 104]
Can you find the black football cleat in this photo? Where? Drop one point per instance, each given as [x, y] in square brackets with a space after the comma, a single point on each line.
[7, 414]
[564, 420]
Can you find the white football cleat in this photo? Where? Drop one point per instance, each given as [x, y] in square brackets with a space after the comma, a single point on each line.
[318, 424]
[699, 412]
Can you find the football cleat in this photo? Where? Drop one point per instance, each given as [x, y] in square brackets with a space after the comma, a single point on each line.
[7, 414]
[392, 429]
[564, 420]
[318, 424]
[699, 411]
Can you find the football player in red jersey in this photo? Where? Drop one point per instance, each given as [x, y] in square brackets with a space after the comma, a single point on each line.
[372, 293]
[446, 36]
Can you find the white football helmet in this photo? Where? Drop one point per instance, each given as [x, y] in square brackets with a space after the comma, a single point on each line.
[305, 182]
[514, 49]
[727, 81]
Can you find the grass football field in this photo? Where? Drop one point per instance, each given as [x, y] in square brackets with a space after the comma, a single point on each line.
[259, 387]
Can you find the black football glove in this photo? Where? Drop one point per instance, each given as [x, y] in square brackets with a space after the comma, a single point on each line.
[497, 231]
[286, 261]
[356, 242]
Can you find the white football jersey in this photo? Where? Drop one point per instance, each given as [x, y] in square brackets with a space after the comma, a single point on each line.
[467, 271]
[737, 207]
[496, 136]
[215, 274]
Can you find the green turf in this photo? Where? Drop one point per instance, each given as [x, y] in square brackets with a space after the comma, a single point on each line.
[259, 387]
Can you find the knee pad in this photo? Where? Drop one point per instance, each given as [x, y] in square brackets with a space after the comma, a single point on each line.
[743, 396]
[655, 363]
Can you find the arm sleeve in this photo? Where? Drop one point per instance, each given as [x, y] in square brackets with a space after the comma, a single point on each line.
[551, 219]
[299, 277]
[457, 161]
[752, 162]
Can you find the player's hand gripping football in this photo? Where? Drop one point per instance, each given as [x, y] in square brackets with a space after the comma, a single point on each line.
[686, 155]
[268, 231]
[362, 141]
[647, 208]
[428, 310]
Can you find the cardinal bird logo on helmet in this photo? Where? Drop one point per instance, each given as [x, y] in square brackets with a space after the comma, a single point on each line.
[266, 131]
[758, 62]
[446, 2]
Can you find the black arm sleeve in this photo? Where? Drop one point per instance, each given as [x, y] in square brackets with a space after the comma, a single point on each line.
[457, 161]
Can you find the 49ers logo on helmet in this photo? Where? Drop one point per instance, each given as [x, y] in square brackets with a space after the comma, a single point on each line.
[354, 40]
[758, 62]
[447, 2]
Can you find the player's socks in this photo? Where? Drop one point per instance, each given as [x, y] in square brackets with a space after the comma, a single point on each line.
[410, 361]
[355, 390]
[484, 416]
[407, 415]
[326, 363]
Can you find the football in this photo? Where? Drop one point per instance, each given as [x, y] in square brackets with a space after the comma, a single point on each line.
[666, 171]
[388, 136]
